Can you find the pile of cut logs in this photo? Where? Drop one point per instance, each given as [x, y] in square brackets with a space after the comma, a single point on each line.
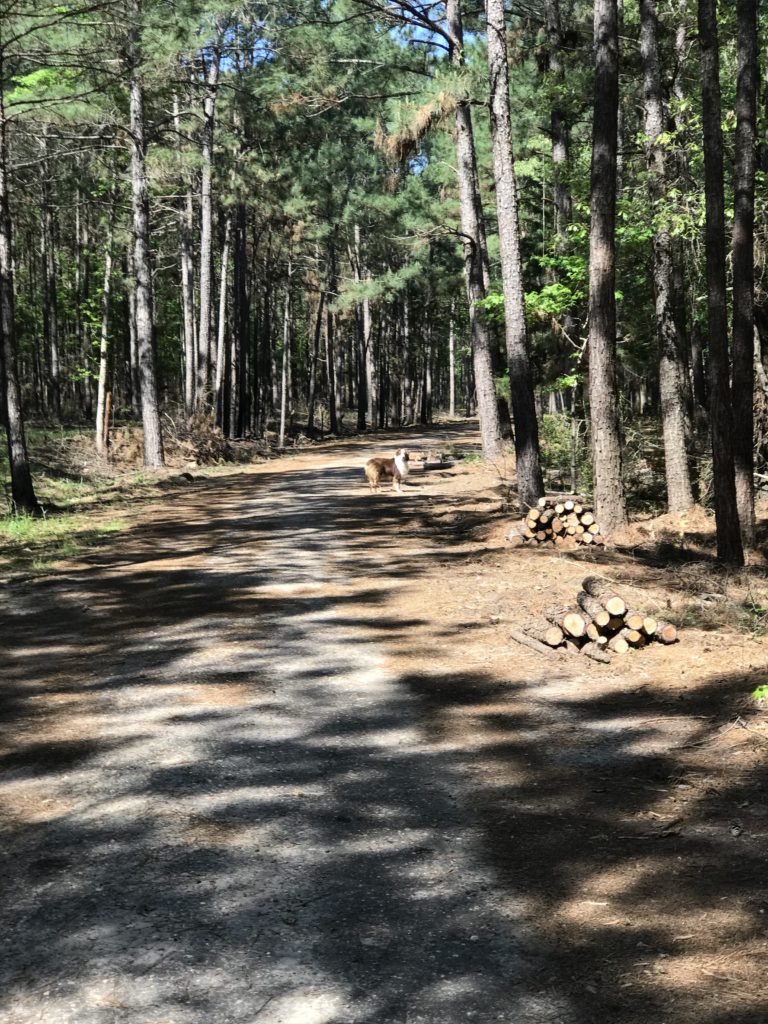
[600, 625]
[557, 522]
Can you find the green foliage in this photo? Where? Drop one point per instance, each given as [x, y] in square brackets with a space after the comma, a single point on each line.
[33, 544]
[556, 436]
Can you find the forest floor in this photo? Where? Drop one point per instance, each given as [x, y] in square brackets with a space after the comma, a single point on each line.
[269, 755]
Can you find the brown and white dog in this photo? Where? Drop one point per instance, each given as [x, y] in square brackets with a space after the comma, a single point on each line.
[395, 469]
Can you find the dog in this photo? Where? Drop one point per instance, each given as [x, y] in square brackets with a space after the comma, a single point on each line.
[395, 469]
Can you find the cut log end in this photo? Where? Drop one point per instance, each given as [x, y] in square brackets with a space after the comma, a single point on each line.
[666, 633]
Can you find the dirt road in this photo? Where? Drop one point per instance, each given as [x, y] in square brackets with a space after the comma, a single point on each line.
[254, 771]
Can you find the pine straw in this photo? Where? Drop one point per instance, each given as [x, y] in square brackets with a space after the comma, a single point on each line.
[403, 144]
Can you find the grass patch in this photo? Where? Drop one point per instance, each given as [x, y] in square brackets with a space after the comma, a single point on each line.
[34, 545]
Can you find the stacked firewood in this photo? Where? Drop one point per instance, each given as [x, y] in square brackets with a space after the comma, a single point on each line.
[600, 625]
[557, 522]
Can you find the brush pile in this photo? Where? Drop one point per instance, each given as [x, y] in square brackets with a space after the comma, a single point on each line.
[598, 626]
[557, 522]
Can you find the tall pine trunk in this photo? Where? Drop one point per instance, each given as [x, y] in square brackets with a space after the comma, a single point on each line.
[744, 269]
[240, 409]
[558, 123]
[452, 361]
[671, 365]
[150, 413]
[604, 410]
[330, 345]
[221, 330]
[286, 361]
[363, 329]
[102, 427]
[529, 477]
[729, 547]
[202, 397]
[475, 255]
[186, 221]
[22, 490]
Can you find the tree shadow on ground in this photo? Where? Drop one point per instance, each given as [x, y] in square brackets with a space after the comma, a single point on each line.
[243, 812]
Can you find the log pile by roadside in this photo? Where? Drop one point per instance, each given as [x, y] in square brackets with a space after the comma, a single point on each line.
[557, 522]
[599, 625]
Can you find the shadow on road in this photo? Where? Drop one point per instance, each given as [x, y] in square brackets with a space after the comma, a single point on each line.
[223, 804]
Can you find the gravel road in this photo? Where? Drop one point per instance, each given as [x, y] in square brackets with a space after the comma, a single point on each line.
[223, 804]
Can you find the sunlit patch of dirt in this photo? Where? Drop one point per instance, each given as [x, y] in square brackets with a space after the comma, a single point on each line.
[213, 831]
[219, 694]
[28, 804]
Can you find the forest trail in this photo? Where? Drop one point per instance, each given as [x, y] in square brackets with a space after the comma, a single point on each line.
[255, 770]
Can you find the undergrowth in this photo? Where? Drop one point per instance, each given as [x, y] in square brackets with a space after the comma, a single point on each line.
[30, 544]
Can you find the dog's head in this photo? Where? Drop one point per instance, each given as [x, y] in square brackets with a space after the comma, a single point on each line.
[402, 453]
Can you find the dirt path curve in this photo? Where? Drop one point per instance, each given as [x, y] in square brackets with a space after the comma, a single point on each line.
[226, 807]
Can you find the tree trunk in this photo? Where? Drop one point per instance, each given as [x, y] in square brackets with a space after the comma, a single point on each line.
[529, 477]
[604, 411]
[698, 375]
[475, 255]
[744, 269]
[186, 220]
[312, 390]
[330, 355]
[363, 326]
[132, 368]
[240, 404]
[371, 384]
[150, 414]
[407, 384]
[558, 124]
[729, 548]
[671, 367]
[221, 331]
[206, 229]
[284, 376]
[102, 427]
[85, 347]
[452, 361]
[22, 490]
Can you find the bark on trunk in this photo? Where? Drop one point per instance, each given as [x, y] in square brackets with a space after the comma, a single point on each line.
[150, 414]
[85, 348]
[330, 356]
[475, 254]
[313, 365]
[186, 220]
[529, 477]
[744, 269]
[206, 228]
[558, 124]
[671, 366]
[363, 324]
[101, 397]
[221, 331]
[133, 345]
[242, 322]
[371, 382]
[452, 361]
[22, 490]
[729, 548]
[604, 412]
[284, 375]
